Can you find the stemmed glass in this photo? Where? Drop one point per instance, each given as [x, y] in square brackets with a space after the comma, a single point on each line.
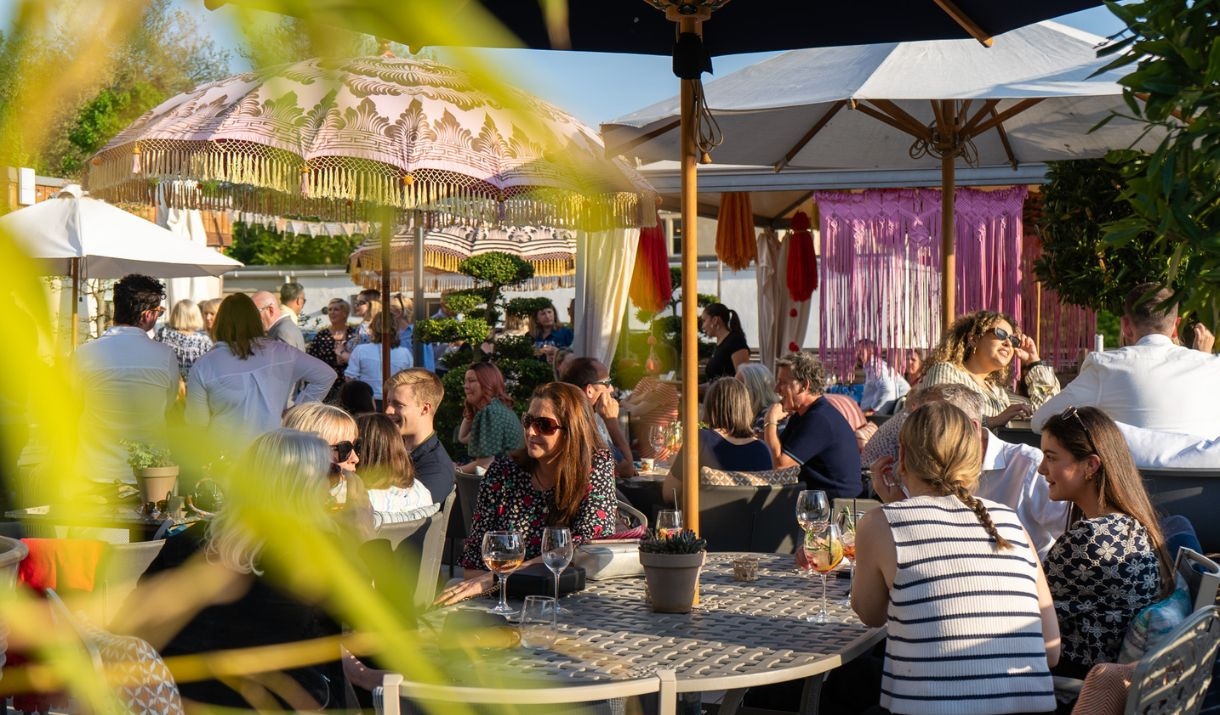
[657, 437]
[824, 549]
[846, 521]
[812, 506]
[557, 554]
[503, 552]
[669, 522]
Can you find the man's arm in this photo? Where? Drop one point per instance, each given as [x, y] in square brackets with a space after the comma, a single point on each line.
[317, 375]
[1084, 390]
[770, 435]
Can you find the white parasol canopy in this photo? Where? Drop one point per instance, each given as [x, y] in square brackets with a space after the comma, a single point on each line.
[107, 241]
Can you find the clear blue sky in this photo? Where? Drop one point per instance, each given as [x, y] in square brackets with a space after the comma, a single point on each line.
[593, 87]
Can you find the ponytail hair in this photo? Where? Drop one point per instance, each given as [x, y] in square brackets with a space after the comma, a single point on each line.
[941, 447]
[728, 315]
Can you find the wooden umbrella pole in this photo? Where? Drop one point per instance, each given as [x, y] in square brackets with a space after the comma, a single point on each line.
[74, 274]
[387, 230]
[948, 262]
[690, 305]
[417, 346]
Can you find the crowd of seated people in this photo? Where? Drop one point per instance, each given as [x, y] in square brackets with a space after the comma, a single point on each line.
[1068, 526]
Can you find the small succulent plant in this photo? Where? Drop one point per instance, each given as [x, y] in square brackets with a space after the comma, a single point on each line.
[683, 542]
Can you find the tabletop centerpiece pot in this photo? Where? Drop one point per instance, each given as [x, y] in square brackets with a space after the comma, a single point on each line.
[671, 569]
[155, 472]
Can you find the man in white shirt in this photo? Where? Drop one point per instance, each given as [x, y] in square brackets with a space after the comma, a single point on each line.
[126, 382]
[279, 325]
[1009, 473]
[1151, 383]
[883, 386]
[292, 301]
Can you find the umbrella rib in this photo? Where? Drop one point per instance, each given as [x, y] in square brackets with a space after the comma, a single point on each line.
[988, 109]
[1005, 115]
[967, 23]
[809, 135]
[919, 131]
[1012, 159]
[891, 108]
[636, 141]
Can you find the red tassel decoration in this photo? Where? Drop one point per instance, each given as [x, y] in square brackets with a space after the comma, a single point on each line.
[802, 261]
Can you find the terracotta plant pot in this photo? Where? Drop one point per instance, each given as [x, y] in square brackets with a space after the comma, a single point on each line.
[672, 580]
[156, 483]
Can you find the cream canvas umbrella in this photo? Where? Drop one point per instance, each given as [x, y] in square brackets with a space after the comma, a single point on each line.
[82, 237]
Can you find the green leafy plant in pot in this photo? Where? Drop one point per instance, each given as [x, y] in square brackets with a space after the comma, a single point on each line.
[671, 568]
[155, 472]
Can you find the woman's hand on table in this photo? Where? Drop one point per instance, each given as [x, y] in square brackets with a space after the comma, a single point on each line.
[467, 588]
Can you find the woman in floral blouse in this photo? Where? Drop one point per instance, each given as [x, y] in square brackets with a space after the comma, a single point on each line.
[1111, 562]
[330, 345]
[563, 477]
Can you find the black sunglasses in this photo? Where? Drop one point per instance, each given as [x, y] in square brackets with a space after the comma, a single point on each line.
[1073, 413]
[344, 449]
[544, 426]
[1011, 338]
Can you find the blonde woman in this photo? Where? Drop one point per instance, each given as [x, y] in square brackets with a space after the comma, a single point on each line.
[233, 570]
[954, 579]
[184, 334]
[347, 492]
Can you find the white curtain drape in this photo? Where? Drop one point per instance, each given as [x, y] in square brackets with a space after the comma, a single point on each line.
[604, 261]
[778, 327]
[187, 223]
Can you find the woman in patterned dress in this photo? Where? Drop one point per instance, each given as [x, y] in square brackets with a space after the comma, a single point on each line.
[185, 335]
[489, 425]
[1111, 561]
[330, 345]
[977, 351]
[563, 477]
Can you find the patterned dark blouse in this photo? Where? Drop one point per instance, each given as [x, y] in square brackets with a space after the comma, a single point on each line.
[187, 347]
[508, 501]
[323, 348]
[1101, 572]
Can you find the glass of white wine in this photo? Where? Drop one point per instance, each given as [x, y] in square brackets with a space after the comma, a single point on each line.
[812, 506]
[557, 554]
[824, 550]
[503, 552]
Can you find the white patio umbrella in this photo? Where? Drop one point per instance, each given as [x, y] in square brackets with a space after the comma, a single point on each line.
[82, 237]
[1032, 96]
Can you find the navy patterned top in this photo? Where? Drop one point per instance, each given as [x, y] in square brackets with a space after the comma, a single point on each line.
[187, 347]
[1101, 572]
[508, 501]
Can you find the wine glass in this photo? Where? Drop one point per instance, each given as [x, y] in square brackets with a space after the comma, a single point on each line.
[846, 521]
[557, 554]
[657, 438]
[824, 550]
[503, 552]
[812, 506]
[669, 522]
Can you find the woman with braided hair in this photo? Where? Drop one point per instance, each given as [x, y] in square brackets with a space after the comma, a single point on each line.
[954, 578]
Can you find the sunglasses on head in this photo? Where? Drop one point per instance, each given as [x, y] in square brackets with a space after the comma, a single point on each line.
[1073, 413]
[344, 449]
[1006, 336]
[544, 426]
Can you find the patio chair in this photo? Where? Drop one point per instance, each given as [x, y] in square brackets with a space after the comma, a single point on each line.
[120, 570]
[759, 519]
[467, 487]
[397, 696]
[1191, 493]
[414, 547]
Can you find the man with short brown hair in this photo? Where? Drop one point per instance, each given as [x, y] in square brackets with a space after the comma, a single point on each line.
[412, 397]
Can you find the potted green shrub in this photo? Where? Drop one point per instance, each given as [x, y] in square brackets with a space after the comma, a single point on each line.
[155, 472]
[671, 568]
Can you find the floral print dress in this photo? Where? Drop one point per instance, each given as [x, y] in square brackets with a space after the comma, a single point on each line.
[508, 501]
[1101, 572]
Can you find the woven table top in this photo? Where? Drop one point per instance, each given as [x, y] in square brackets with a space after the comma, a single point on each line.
[741, 634]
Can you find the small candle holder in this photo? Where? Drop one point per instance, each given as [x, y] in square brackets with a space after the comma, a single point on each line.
[745, 569]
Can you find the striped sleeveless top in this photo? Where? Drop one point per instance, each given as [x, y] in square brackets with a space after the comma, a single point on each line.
[964, 628]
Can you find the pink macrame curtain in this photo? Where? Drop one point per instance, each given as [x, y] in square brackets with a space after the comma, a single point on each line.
[880, 266]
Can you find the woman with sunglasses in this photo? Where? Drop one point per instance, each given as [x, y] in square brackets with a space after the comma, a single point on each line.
[1111, 561]
[388, 475]
[977, 352]
[348, 496]
[489, 425]
[563, 477]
